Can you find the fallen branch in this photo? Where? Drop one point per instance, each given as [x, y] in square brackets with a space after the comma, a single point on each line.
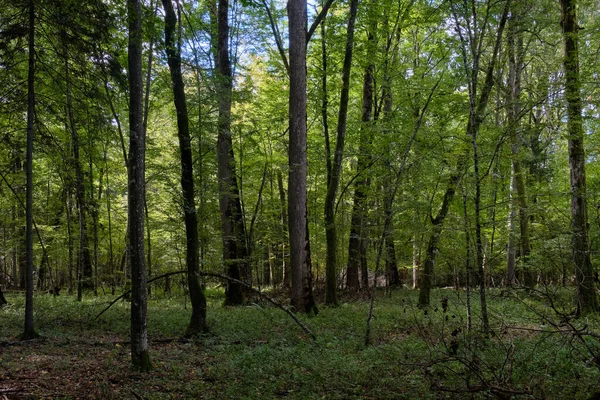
[227, 278]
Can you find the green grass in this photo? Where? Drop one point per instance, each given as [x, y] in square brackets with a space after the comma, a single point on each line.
[258, 352]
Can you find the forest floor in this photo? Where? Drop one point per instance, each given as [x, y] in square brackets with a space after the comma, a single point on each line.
[258, 352]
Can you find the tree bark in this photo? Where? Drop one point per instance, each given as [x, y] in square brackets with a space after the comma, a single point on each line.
[518, 195]
[285, 260]
[235, 252]
[587, 301]
[302, 299]
[198, 320]
[357, 243]
[334, 173]
[136, 191]
[84, 264]
[29, 331]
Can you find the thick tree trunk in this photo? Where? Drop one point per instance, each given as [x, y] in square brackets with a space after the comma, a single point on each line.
[235, 253]
[198, 320]
[302, 299]
[587, 300]
[136, 192]
[29, 332]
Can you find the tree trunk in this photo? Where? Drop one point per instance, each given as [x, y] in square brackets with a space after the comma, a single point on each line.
[235, 254]
[391, 266]
[285, 260]
[357, 243]
[478, 106]
[29, 332]
[198, 320]
[136, 192]
[110, 241]
[587, 300]
[84, 264]
[302, 299]
[518, 201]
[334, 174]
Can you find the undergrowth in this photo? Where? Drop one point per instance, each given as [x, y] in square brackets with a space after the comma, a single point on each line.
[258, 352]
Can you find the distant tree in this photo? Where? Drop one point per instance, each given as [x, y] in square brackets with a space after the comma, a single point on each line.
[136, 191]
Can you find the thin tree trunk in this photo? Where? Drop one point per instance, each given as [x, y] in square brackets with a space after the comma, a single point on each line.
[357, 243]
[136, 192]
[29, 332]
[334, 174]
[587, 300]
[198, 320]
[478, 106]
[287, 272]
[109, 217]
[84, 265]
[515, 56]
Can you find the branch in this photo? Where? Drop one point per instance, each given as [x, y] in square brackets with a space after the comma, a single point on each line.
[318, 20]
[227, 278]
[277, 37]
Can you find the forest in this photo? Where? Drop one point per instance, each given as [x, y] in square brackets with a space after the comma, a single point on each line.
[307, 199]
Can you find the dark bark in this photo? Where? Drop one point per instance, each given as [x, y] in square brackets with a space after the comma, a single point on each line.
[235, 252]
[198, 320]
[587, 300]
[84, 264]
[285, 260]
[334, 173]
[357, 243]
[29, 331]
[391, 265]
[434, 238]
[109, 218]
[136, 191]
[297, 205]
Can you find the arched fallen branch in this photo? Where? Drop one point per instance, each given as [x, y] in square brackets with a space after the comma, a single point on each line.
[227, 278]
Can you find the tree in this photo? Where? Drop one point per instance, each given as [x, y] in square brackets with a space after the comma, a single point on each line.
[136, 191]
[587, 300]
[471, 39]
[198, 320]
[235, 251]
[518, 195]
[29, 332]
[302, 297]
[334, 170]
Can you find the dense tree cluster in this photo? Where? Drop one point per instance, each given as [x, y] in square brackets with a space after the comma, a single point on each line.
[142, 138]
